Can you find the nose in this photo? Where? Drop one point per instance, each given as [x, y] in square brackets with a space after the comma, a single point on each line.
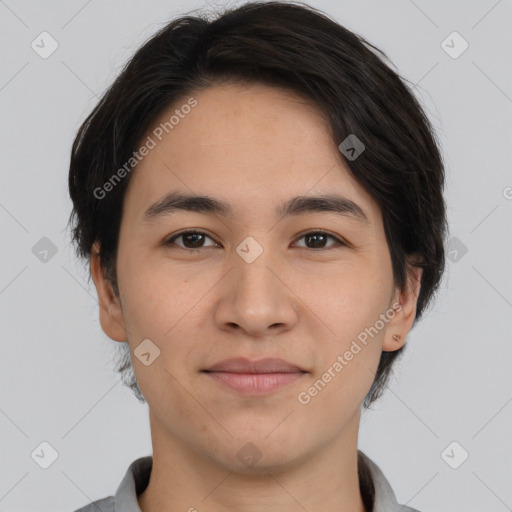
[257, 299]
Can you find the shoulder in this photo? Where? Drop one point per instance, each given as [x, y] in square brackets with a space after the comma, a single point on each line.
[381, 496]
[133, 483]
[103, 505]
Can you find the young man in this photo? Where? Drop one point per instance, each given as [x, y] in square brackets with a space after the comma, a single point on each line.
[260, 200]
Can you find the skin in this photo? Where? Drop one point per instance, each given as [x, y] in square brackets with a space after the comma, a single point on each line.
[254, 147]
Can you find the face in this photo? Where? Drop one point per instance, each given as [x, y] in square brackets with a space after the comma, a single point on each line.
[253, 281]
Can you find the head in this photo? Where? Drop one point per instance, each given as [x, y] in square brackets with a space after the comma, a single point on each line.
[253, 109]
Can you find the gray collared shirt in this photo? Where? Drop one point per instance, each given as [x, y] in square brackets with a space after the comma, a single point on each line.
[374, 489]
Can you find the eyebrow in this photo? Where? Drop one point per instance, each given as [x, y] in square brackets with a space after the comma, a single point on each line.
[176, 201]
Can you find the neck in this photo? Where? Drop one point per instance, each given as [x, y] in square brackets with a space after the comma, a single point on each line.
[185, 480]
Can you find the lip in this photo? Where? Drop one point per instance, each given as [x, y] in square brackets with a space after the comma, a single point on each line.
[243, 365]
[254, 378]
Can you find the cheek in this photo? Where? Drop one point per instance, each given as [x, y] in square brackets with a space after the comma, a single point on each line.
[352, 305]
[347, 360]
[351, 300]
[153, 302]
[152, 310]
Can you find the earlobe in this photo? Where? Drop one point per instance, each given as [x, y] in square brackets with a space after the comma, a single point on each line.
[110, 311]
[404, 304]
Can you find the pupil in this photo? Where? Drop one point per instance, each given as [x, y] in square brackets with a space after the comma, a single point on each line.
[316, 236]
[193, 235]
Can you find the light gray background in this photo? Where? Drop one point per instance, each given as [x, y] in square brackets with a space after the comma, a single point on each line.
[454, 382]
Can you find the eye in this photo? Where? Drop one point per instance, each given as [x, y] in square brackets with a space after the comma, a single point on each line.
[192, 239]
[195, 240]
[318, 238]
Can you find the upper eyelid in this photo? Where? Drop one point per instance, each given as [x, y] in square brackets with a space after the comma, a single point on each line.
[177, 235]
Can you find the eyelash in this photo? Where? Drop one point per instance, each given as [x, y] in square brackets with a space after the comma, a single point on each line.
[170, 241]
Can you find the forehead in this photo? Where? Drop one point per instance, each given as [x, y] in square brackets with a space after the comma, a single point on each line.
[251, 144]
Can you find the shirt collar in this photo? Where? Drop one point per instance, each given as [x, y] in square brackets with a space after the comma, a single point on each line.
[136, 480]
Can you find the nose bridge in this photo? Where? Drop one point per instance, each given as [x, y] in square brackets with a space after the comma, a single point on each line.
[256, 299]
[256, 284]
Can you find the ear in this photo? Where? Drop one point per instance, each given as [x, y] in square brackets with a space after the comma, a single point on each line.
[111, 313]
[403, 303]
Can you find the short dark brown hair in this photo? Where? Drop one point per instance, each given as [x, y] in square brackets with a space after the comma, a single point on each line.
[286, 45]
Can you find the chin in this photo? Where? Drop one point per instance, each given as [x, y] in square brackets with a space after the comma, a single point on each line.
[259, 454]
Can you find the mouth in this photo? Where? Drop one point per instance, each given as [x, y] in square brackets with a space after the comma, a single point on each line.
[254, 378]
